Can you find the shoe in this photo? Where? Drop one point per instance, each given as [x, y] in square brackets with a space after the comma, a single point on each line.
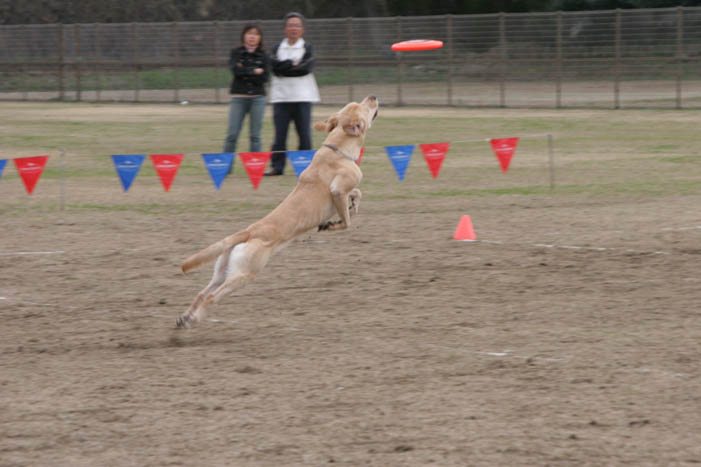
[272, 173]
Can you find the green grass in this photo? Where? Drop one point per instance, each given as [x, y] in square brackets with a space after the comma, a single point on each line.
[597, 153]
[211, 77]
[188, 78]
[696, 159]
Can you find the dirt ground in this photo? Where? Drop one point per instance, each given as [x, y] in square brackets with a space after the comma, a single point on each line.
[388, 345]
[566, 335]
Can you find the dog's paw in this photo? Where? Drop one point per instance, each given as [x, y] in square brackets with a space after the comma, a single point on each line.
[184, 322]
[338, 225]
[329, 225]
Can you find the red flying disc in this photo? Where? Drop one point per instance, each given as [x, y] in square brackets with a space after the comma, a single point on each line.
[418, 44]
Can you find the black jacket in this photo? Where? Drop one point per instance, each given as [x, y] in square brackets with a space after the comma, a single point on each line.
[285, 67]
[242, 63]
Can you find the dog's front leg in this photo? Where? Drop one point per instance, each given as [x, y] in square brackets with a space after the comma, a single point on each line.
[341, 202]
[343, 190]
[353, 205]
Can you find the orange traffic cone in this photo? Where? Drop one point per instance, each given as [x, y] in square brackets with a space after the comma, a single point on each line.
[465, 231]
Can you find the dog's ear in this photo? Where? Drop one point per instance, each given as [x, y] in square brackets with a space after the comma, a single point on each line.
[327, 125]
[354, 125]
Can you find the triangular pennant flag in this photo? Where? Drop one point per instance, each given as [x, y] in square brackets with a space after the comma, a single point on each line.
[30, 169]
[300, 160]
[434, 154]
[218, 166]
[127, 167]
[400, 156]
[504, 150]
[254, 163]
[2, 166]
[166, 166]
[360, 157]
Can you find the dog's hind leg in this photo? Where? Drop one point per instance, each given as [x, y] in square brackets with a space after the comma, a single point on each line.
[230, 285]
[244, 262]
[354, 201]
[218, 278]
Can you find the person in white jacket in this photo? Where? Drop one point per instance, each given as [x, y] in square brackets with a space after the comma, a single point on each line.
[293, 89]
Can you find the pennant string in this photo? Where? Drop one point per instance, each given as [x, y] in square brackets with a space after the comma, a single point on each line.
[219, 165]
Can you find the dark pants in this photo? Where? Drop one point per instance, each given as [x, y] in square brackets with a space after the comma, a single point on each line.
[283, 114]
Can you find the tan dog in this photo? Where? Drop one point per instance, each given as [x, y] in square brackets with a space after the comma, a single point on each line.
[325, 188]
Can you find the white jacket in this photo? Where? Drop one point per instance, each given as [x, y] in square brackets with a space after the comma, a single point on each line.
[293, 88]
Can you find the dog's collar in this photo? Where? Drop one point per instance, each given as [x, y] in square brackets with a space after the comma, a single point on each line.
[335, 148]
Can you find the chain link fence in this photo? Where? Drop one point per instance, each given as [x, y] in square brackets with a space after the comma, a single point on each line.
[606, 59]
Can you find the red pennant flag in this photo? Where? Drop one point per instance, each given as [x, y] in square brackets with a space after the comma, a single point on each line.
[360, 157]
[166, 166]
[30, 169]
[434, 154]
[504, 150]
[254, 163]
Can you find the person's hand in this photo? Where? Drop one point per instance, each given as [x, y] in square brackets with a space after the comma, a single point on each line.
[258, 71]
[284, 65]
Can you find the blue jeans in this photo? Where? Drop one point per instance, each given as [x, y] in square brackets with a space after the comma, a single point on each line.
[238, 109]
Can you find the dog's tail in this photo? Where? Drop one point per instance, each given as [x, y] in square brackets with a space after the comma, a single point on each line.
[214, 250]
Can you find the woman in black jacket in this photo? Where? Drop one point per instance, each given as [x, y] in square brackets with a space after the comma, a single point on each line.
[250, 66]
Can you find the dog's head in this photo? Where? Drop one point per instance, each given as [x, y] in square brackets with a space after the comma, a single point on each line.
[355, 118]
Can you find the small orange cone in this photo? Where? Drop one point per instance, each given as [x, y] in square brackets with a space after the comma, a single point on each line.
[465, 231]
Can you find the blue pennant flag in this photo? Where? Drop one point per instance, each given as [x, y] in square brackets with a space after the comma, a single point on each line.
[400, 156]
[127, 166]
[2, 165]
[300, 160]
[218, 166]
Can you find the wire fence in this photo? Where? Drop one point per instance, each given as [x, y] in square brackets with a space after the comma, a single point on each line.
[607, 59]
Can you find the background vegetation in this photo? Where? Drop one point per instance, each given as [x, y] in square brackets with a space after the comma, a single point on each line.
[124, 11]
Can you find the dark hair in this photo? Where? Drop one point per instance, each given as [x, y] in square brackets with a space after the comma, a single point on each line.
[294, 14]
[247, 28]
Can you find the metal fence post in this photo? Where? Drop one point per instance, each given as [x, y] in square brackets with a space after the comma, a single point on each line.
[134, 64]
[59, 48]
[617, 66]
[680, 54]
[558, 45]
[449, 40]
[98, 51]
[551, 162]
[176, 50]
[400, 101]
[62, 186]
[502, 60]
[216, 61]
[349, 29]
[22, 69]
[76, 60]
